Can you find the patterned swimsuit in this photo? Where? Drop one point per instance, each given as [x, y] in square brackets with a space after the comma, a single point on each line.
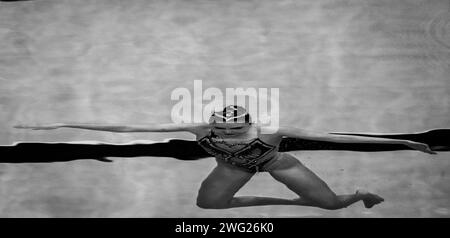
[251, 157]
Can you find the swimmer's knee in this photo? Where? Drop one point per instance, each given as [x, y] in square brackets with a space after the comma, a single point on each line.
[212, 203]
[204, 205]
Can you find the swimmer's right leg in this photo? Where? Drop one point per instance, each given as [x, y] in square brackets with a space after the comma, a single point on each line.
[218, 189]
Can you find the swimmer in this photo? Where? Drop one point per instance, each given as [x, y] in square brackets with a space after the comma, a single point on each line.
[241, 151]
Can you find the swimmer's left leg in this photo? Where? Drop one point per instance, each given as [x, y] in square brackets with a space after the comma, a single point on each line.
[312, 190]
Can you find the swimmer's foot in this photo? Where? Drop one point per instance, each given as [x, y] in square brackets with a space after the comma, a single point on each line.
[369, 199]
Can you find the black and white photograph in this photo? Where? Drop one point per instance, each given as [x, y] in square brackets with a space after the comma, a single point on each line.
[225, 109]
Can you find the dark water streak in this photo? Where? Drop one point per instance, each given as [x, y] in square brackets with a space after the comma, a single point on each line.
[438, 140]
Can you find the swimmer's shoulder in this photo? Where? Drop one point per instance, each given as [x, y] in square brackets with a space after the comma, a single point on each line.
[268, 131]
[269, 134]
[199, 129]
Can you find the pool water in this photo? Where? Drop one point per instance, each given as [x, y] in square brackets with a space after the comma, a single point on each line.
[354, 66]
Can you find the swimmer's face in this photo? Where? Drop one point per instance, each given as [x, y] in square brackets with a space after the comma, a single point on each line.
[230, 129]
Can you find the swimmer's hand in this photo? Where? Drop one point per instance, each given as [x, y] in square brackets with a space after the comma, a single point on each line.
[420, 146]
[40, 127]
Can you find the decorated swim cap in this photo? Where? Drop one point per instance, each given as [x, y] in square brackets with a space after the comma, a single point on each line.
[231, 114]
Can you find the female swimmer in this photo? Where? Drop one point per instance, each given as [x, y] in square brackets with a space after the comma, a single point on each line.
[241, 150]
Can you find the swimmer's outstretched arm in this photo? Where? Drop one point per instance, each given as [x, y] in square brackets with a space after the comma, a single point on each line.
[310, 135]
[169, 127]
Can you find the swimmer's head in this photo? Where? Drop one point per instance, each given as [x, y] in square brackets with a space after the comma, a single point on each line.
[232, 120]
